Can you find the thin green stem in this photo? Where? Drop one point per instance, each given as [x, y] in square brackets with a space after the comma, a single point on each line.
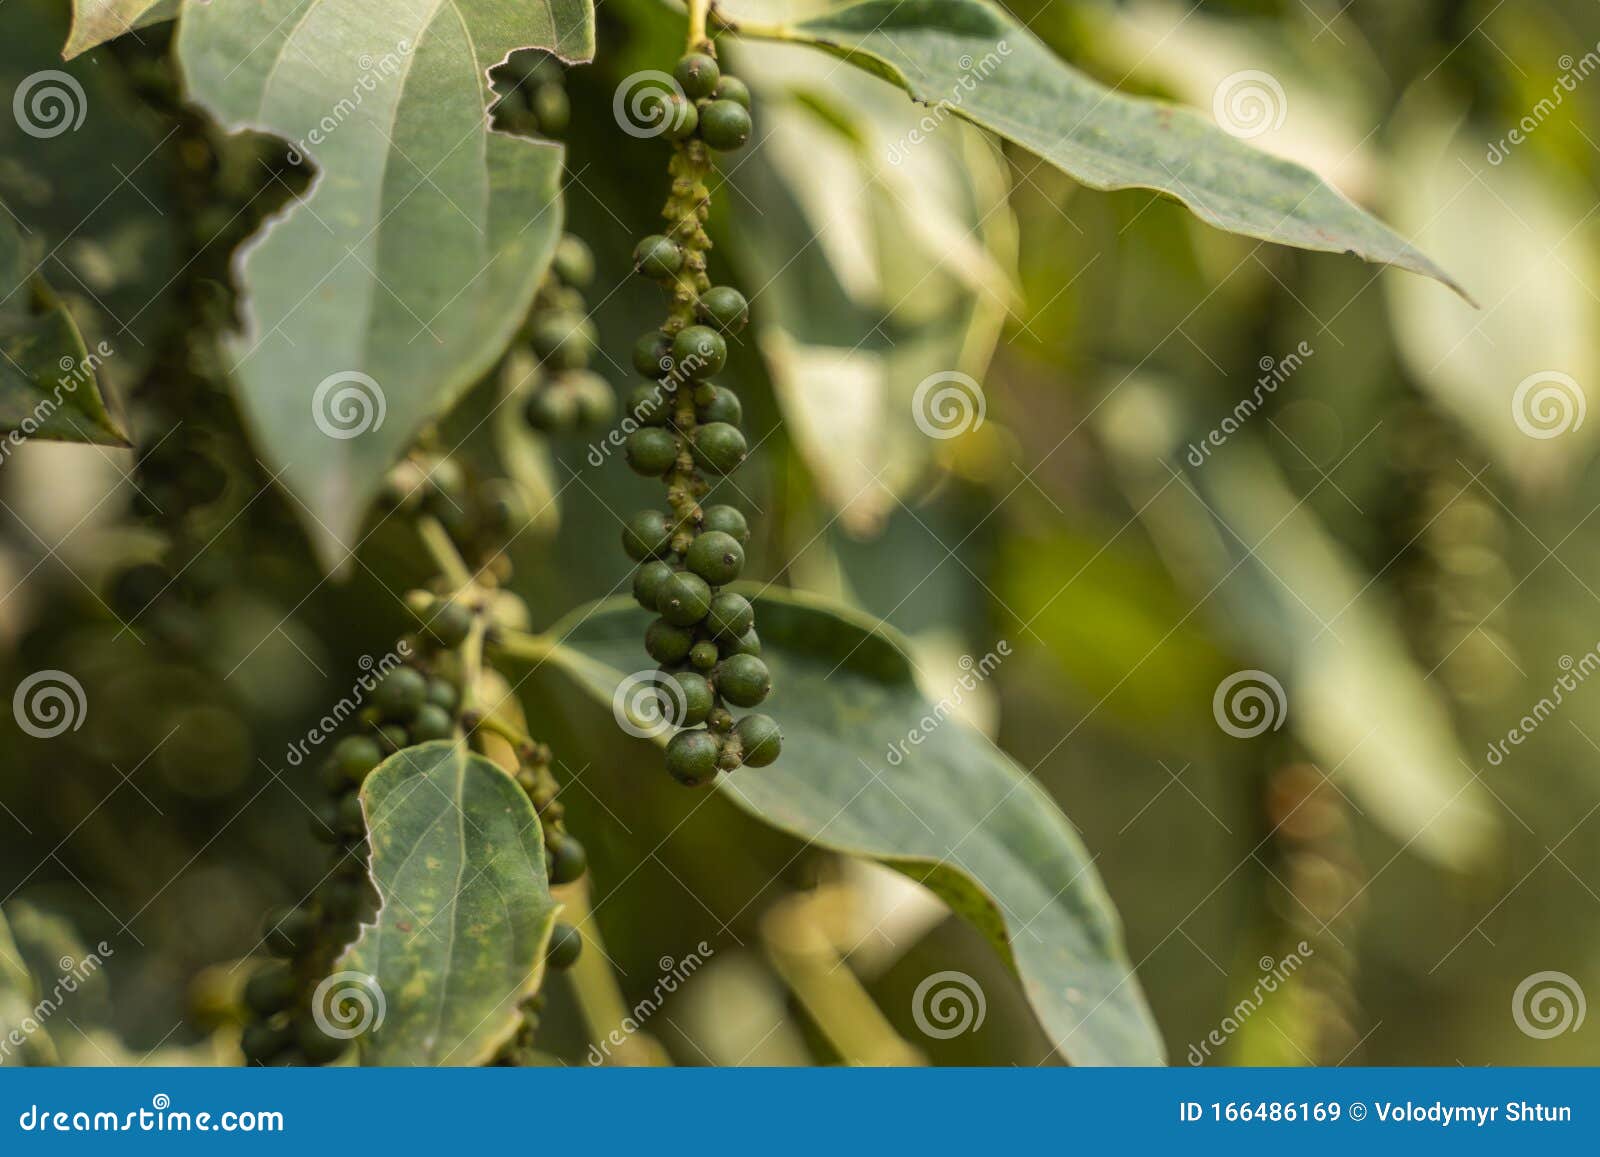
[445, 555]
[699, 12]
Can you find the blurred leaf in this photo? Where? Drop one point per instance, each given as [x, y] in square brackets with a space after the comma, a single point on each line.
[974, 60]
[47, 380]
[1509, 225]
[459, 941]
[401, 277]
[521, 450]
[1355, 698]
[96, 21]
[884, 254]
[18, 996]
[952, 812]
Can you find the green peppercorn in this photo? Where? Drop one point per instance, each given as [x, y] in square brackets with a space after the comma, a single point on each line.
[692, 757]
[400, 693]
[593, 400]
[696, 701]
[722, 406]
[760, 738]
[288, 930]
[734, 89]
[650, 405]
[646, 534]
[716, 557]
[352, 822]
[443, 693]
[699, 351]
[651, 450]
[748, 644]
[573, 261]
[269, 989]
[448, 623]
[697, 74]
[743, 680]
[354, 756]
[551, 409]
[392, 737]
[727, 519]
[725, 125]
[724, 307]
[704, 655]
[719, 447]
[432, 723]
[569, 860]
[647, 583]
[562, 340]
[504, 511]
[667, 643]
[730, 615]
[262, 1040]
[684, 599]
[318, 1046]
[652, 353]
[324, 822]
[657, 257]
[681, 119]
[566, 945]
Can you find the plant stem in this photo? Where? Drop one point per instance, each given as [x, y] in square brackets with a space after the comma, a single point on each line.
[445, 555]
[699, 10]
[522, 645]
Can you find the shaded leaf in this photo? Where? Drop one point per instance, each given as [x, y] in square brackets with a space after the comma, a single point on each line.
[47, 377]
[400, 278]
[466, 913]
[971, 58]
[953, 812]
[96, 21]
[18, 997]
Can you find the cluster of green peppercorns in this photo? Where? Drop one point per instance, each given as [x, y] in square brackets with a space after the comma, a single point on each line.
[688, 427]
[533, 95]
[566, 395]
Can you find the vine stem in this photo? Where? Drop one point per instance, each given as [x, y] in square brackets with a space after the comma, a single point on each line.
[445, 555]
[699, 13]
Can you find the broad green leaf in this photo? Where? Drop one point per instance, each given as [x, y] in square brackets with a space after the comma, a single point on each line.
[465, 915]
[18, 1008]
[882, 262]
[952, 812]
[47, 377]
[400, 278]
[96, 21]
[1254, 554]
[973, 60]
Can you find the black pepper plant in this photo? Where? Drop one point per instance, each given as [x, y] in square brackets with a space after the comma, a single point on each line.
[378, 338]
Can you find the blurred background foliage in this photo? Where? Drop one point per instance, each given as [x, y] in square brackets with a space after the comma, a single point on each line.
[1381, 537]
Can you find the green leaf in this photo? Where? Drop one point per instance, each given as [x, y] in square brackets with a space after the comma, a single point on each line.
[954, 813]
[971, 58]
[401, 277]
[466, 912]
[19, 996]
[96, 21]
[47, 377]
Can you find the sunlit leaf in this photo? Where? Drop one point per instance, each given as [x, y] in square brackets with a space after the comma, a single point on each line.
[97, 21]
